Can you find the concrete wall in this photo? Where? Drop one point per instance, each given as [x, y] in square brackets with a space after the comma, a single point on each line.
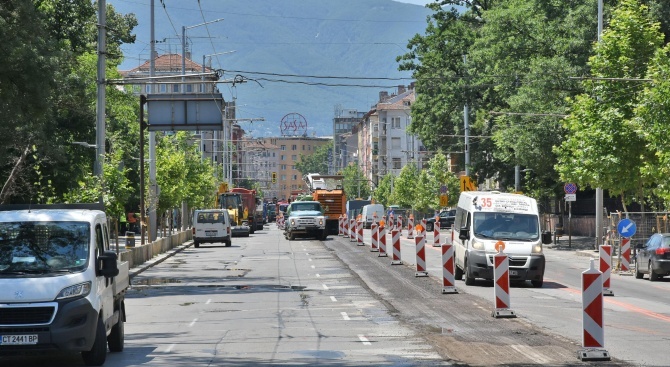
[140, 254]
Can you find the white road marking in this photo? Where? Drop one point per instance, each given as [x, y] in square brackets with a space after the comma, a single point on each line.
[313, 267]
[192, 322]
[318, 275]
[169, 348]
[208, 301]
[309, 259]
[332, 298]
[364, 339]
[325, 286]
[345, 316]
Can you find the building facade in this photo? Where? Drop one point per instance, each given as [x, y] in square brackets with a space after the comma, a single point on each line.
[343, 124]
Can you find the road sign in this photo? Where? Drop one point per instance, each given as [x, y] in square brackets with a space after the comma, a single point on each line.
[444, 200]
[570, 188]
[626, 228]
[570, 197]
[467, 184]
[443, 189]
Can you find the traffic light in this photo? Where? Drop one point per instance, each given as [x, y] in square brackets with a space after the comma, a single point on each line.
[274, 177]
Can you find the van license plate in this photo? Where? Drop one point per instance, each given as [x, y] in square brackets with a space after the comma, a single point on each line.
[19, 339]
[513, 272]
[210, 233]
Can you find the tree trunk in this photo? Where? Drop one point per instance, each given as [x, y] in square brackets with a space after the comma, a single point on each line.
[6, 188]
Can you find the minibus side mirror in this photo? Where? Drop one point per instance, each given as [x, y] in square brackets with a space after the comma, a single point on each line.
[464, 234]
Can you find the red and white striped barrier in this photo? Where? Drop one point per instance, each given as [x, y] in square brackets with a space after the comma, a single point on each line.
[339, 225]
[395, 238]
[606, 268]
[391, 221]
[625, 254]
[346, 227]
[382, 241]
[352, 230]
[436, 234]
[448, 279]
[399, 225]
[423, 228]
[420, 257]
[410, 228]
[374, 242]
[501, 285]
[359, 234]
[593, 335]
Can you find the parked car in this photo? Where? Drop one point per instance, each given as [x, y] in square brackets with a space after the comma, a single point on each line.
[653, 257]
[446, 220]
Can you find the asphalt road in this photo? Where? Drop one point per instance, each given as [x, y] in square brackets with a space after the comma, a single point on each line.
[269, 301]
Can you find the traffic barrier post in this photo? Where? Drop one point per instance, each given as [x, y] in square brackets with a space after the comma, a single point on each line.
[625, 254]
[436, 233]
[359, 234]
[606, 268]
[374, 242]
[382, 239]
[593, 335]
[352, 230]
[410, 227]
[420, 256]
[448, 279]
[395, 238]
[501, 285]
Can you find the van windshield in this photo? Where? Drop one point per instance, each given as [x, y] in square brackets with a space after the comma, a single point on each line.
[506, 226]
[211, 217]
[43, 247]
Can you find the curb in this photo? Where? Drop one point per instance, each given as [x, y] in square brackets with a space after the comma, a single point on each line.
[159, 259]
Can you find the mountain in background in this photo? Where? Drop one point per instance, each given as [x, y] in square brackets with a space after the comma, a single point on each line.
[345, 39]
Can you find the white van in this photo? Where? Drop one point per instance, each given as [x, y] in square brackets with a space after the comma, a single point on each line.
[212, 225]
[485, 218]
[369, 212]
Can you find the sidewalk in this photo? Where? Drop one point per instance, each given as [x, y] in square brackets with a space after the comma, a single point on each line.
[581, 245]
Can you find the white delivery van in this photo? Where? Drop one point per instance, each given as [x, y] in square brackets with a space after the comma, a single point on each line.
[369, 212]
[485, 217]
[61, 287]
[211, 226]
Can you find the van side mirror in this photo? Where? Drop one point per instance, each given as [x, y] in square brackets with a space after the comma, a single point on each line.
[106, 265]
[546, 237]
[464, 234]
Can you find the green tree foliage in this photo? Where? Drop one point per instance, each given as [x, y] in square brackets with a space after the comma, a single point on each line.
[439, 173]
[383, 192]
[316, 162]
[404, 186]
[605, 145]
[355, 183]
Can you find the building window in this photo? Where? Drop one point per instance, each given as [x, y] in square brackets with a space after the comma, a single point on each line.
[395, 144]
[395, 121]
[283, 177]
[283, 147]
[148, 88]
[175, 88]
[283, 167]
[303, 147]
[295, 177]
[189, 88]
[294, 157]
[294, 147]
[397, 163]
[281, 158]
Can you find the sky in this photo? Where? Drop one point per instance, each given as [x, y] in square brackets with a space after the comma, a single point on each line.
[415, 2]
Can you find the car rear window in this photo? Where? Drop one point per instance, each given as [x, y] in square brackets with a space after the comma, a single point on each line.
[211, 217]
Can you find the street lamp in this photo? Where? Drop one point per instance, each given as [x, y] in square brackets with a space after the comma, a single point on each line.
[85, 144]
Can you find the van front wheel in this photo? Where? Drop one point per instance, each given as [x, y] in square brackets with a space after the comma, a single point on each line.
[469, 280]
[458, 273]
[537, 283]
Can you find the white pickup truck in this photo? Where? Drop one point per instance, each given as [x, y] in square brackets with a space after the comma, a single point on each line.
[61, 288]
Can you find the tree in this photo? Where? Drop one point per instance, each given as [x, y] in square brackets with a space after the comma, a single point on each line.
[316, 162]
[404, 186]
[604, 148]
[440, 174]
[355, 184]
[383, 192]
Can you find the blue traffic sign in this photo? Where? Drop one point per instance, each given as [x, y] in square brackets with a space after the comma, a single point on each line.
[626, 228]
[570, 188]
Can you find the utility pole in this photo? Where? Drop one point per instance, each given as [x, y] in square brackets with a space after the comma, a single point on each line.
[599, 191]
[100, 112]
[467, 130]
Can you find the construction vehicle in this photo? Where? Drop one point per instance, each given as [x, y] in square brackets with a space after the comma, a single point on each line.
[240, 211]
[328, 190]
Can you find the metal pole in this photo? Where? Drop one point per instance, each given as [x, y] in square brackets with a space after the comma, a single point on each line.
[100, 113]
[143, 100]
[466, 132]
[599, 191]
[517, 178]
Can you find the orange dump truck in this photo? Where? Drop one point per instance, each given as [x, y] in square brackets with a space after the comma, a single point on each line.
[328, 190]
